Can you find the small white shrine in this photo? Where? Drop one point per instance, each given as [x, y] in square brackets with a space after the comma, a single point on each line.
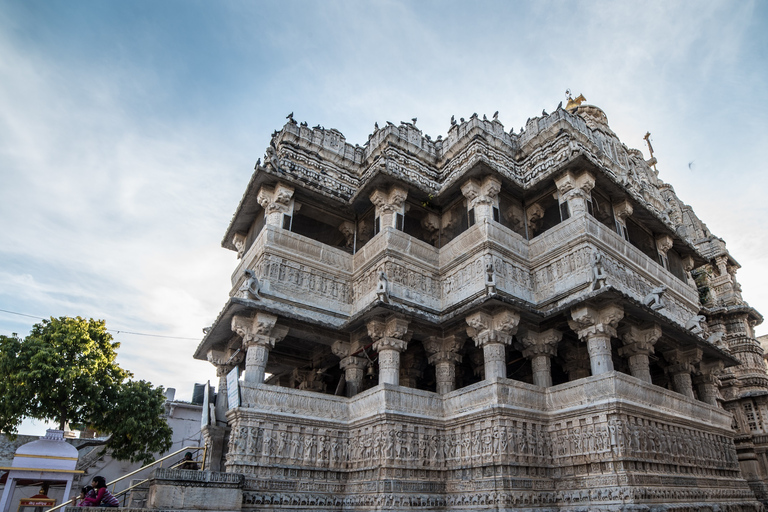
[49, 460]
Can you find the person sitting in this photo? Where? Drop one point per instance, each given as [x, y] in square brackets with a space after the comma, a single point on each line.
[86, 492]
[188, 463]
[103, 497]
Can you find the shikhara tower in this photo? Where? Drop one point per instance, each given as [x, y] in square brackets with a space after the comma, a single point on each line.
[489, 320]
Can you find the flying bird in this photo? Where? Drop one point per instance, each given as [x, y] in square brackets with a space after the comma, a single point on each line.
[690, 165]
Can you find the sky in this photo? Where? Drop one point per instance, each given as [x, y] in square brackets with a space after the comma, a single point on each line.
[129, 130]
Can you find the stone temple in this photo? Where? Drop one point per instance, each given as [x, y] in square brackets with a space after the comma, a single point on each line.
[487, 321]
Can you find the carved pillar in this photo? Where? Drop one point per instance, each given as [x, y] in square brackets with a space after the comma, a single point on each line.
[575, 191]
[707, 382]
[388, 205]
[410, 369]
[663, 245]
[276, 202]
[493, 332]
[224, 364]
[353, 366]
[390, 338]
[540, 347]
[443, 353]
[622, 211]
[259, 333]
[638, 345]
[482, 197]
[597, 327]
[576, 359]
[682, 364]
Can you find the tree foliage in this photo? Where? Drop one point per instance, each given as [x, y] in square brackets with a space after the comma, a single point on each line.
[65, 371]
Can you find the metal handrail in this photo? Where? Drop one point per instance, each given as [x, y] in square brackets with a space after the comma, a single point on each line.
[158, 461]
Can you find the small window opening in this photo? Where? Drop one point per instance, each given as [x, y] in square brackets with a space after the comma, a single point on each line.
[377, 225]
[496, 215]
[471, 215]
[399, 221]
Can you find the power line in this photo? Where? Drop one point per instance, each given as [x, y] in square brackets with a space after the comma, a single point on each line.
[110, 330]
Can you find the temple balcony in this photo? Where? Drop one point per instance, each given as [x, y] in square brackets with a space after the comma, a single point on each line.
[594, 419]
[551, 269]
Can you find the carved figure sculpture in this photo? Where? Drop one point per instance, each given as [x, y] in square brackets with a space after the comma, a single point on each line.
[696, 324]
[490, 275]
[250, 287]
[382, 288]
[598, 275]
[655, 299]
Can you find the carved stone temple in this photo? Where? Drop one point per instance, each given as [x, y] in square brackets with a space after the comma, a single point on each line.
[487, 321]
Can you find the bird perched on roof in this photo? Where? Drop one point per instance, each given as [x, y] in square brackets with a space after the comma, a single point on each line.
[453, 120]
[559, 105]
[496, 115]
[544, 112]
[376, 125]
[289, 116]
[414, 120]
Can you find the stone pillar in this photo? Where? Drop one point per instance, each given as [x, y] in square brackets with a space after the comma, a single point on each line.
[540, 348]
[663, 245]
[390, 337]
[388, 205]
[353, 366]
[622, 211]
[277, 201]
[597, 326]
[224, 364]
[482, 196]
[681, 365]
[575, 191]
[493, 332]
[259, 333]
[707, 382]
[443, 353]
[576, 359]
[638, 345]
[410, 369]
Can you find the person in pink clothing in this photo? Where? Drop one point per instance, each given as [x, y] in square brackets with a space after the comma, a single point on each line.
[102, 497]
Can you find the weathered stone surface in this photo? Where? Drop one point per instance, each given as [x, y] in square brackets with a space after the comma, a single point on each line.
[500, 321]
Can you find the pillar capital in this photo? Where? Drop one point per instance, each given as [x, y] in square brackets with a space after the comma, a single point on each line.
[569, 182]
[638, 345]
[543, 343]
[482, 192]
[589, 321]
[492, 331]
[390, 337]
[443, 344]
[275, 201]
[575, 190]
[687, 358]
[497, 327]
[623, 210]
[664, 243]
[639, 341]
[260, 332]
[388, 203]
[391, 327]
[597, 326]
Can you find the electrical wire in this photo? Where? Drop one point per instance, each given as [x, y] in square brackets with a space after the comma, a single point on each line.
[134, 333]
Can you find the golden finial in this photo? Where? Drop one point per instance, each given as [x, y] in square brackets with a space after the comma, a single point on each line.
[573, 103]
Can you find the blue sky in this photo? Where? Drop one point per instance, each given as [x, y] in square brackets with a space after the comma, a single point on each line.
[128, 130]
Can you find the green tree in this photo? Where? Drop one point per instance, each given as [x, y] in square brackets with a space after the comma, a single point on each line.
[65, 371]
